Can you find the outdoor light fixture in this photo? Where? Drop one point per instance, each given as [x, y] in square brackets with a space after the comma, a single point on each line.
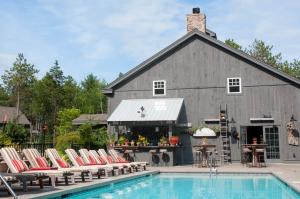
[293, 119]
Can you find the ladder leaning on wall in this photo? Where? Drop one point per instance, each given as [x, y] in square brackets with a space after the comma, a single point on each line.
[225, 142]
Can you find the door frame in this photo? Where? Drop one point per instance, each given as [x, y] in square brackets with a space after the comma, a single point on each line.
[264, 135]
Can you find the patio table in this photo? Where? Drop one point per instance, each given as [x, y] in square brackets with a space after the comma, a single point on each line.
[253, 147]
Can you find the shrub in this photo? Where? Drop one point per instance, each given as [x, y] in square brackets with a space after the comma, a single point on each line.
[64, 141]
[16, 132]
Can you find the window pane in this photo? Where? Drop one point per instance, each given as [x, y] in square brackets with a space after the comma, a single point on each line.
[234, 89]
[159, 91]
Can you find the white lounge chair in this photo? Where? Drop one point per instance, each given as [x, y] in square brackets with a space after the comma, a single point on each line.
[37, 161]
[60, 163]
[17, 166]
[118, 158]
[103, 159]
[111, 160]
[90, 159]
[77, 161]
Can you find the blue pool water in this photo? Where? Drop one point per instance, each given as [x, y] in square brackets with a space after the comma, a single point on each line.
[185, 186]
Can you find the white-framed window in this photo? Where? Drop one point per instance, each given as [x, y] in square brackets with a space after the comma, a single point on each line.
[234, 85]
[159, 87]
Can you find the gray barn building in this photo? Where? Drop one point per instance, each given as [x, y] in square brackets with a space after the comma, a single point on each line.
[190, 82]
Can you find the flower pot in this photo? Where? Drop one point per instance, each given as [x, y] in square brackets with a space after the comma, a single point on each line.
[174, 140]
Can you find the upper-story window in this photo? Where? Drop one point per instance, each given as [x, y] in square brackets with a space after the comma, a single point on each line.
[234, 85]
[159, 87]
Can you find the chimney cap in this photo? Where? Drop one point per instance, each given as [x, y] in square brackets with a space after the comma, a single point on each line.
[196, 10]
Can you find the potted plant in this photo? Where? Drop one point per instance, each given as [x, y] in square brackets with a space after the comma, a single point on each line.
[122, 140]
[163, 140]
[142, 140]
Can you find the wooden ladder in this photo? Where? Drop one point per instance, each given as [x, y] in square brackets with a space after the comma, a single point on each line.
[225, 142]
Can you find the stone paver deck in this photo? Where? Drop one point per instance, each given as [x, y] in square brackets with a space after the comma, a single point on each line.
[289, 173]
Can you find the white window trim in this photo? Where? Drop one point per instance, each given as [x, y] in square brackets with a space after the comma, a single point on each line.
[165, 88]
[232, 93]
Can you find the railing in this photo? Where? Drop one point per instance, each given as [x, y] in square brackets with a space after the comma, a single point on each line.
[8, 187]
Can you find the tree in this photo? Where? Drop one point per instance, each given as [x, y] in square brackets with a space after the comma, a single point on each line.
[233, 44]
[4, 97]
[49, 96]
[71, 92]
[18, 82]
[263, 52]
[65, 118]
[66, 132]
[92, 98]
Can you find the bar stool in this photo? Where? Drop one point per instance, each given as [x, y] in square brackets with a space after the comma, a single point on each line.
[198, 157]
[164, 156]
[153, 157]
[261, 157]
[127, 155]
[246, 155]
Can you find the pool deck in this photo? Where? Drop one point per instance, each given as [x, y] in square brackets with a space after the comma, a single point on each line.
[289, 173]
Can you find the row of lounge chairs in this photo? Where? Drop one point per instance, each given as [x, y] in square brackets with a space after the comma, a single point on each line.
[85, 165]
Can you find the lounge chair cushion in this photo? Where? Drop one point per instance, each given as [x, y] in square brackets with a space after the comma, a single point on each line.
[92, 160]
[101, 160]
[110, 159]
[20, 165]
[61, 163]
[80, 161]
[42, 162]
[122, 160]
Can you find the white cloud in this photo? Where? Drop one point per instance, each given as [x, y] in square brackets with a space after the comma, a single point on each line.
[134, 29]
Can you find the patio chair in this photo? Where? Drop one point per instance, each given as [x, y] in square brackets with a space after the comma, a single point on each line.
[61, 164]
[37, 161]
[21, 171]
[117, 158]
[79, 162]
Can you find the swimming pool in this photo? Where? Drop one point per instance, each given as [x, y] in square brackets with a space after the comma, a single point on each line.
[185, 186]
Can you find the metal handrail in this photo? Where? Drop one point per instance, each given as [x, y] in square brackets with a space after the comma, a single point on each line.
[8, 187]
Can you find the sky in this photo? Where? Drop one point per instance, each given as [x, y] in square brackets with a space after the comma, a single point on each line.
[106, 37]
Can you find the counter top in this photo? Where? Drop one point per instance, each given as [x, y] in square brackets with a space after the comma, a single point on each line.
[146, 147]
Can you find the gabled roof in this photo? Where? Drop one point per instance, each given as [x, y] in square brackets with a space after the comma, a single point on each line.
[90, 118]
[9, 114]
[197, 33]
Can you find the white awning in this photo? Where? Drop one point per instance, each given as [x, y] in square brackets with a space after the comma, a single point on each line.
[204, 132]
[166, 109]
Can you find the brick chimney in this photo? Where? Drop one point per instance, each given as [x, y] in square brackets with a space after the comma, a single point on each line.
[196, 20]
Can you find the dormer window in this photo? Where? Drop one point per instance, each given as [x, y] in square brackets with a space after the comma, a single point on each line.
[159, 87]
[234, 85]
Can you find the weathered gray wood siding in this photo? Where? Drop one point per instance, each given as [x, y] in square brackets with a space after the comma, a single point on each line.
[198, 72]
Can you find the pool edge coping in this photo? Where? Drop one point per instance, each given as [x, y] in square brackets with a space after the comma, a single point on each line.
[59, 193]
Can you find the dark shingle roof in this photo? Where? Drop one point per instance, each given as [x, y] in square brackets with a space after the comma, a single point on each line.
[91, 118]
[190, 35]
[8, 114]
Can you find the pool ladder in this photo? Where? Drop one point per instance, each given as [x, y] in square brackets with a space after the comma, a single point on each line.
[7, 186]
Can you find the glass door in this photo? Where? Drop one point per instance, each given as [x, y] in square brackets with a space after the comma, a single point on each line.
[271, 137]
